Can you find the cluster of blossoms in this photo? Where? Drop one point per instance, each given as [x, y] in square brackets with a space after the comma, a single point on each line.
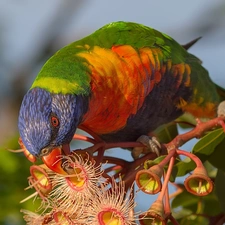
[87, 187]
[81, 195]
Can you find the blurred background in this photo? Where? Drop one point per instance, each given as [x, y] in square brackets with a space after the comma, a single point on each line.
[31, 31]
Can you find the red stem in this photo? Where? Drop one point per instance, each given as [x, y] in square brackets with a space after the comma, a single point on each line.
[191, 156]
[114, 160]
[166, 180]
[171, 154]
[167, 201]
[173, 220]
[112, 168]
[84, 138]
[123, 145]
[197, 132]
[95, 136]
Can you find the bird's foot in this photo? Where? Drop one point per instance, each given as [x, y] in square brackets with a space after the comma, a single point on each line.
[151, 144]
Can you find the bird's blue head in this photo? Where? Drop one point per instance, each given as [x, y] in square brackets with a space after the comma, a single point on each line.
[49, 120]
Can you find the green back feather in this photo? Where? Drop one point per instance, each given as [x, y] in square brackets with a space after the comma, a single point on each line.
[66, 72]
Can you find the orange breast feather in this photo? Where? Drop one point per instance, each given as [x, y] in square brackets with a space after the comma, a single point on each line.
[121, 79]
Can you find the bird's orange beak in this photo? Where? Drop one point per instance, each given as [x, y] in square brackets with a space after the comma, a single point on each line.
[54, 159]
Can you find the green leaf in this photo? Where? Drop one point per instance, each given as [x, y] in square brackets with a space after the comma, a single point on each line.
[185, 200]
[206, 145]
[211, 170]
[194, 219]
[196, 204]
[218, 156]
[150, 163]
[209, 201]
[220, 187]
[166, 133]
[207, 148]
[183, 167]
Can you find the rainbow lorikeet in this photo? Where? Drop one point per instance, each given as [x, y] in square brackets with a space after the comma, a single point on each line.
[120, 82]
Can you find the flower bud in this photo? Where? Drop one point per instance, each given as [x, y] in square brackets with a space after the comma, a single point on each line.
[149, 181]
[40, 180]
[199, 183]
[155, 215]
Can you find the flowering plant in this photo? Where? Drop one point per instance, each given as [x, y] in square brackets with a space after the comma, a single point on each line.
[88, 187]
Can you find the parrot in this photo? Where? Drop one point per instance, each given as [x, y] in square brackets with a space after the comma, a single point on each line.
[120, 82]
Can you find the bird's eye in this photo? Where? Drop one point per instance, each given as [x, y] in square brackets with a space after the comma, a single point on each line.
[45, 151]
[54, 121]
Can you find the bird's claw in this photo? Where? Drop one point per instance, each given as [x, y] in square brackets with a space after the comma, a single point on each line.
[151, 144]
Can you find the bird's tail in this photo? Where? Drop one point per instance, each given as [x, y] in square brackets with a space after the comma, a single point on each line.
[191, 43]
